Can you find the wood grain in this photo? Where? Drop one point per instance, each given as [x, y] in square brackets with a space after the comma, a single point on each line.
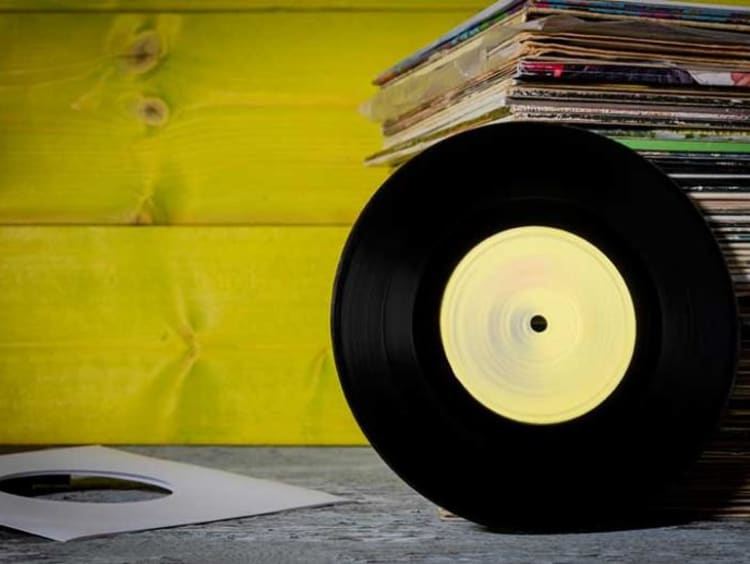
[169, 334]
[244, 121]
[216, 118]
[388, 522]
[261, 5]
[242, 5]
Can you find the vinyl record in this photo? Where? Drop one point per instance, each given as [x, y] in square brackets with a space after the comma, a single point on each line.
[534, 327]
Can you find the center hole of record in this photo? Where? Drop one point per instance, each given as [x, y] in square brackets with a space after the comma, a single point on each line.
[538, 323]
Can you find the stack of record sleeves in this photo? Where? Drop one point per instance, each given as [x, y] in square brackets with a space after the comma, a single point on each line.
[670, 80]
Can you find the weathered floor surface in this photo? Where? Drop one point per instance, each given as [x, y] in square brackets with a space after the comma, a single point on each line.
[386, 523]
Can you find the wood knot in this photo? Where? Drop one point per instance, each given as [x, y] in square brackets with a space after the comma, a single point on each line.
[145, 52]
[153, 111]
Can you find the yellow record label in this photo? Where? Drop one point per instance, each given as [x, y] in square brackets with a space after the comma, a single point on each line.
[538, 324]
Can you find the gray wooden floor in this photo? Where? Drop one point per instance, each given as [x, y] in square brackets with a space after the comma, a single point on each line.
[387, 523]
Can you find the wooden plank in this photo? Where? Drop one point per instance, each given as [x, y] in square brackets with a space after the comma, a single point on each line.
[392, 523]
[262, 5]
[240, 5]
[193, 119]
[169, 334]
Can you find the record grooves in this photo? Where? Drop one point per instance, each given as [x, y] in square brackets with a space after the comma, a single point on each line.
[440, 407]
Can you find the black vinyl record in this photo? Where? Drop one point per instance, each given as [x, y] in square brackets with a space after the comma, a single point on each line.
[478, 462]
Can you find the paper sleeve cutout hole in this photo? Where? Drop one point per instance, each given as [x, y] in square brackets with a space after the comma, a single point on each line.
[84, 487]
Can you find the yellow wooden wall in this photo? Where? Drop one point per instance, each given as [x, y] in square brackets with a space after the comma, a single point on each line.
[177, 178]
[176, 181]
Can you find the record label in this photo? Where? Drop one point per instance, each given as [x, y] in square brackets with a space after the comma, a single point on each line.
[538, 324]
